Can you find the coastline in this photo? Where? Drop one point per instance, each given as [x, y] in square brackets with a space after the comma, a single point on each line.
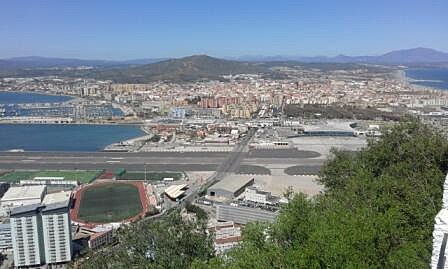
[44, 93]
[411, 82]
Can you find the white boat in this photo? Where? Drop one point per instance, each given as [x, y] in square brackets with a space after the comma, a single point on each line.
[16, 150]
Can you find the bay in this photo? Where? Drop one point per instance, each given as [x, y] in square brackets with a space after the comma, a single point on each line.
[30, 97]
[56, 137]
[430, 77]
[59, 137]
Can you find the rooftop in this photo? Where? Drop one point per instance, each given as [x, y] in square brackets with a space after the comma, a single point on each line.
[329, 126]
[175, 191]
[55, 201]
[55, 206]
[84, 232]
[62, 196]
[25, 209]
[232, 183]
[48, 178]
[258, 191]
[23, 193]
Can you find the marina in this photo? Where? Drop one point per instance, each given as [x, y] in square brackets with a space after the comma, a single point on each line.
[22, 107]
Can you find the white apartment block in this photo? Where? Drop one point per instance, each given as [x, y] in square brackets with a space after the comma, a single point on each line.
[5, 237]
[41, 233]
[57, 234]
[56, 226]
[26, 236]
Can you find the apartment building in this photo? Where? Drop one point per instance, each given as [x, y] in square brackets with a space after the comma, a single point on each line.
[26, 234]
[56, 226]
[41, 233]
[5, 237]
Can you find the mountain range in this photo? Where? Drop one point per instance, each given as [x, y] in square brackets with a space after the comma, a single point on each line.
[190, 68]
[406, 56]
[203, 67]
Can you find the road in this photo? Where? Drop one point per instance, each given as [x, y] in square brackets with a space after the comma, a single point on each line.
[233, 161]
[229, 165]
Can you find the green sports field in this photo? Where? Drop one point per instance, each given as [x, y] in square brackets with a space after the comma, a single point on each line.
[112, 202]
[79, 175]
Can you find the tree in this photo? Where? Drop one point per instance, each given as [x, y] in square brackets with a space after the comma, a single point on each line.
[155, 138]
[166, 243]
[377, 212]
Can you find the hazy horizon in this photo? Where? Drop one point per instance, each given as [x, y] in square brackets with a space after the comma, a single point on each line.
[115, 30]
[221, 57]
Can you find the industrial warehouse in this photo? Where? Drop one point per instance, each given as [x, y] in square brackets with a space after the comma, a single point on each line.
[230, 187]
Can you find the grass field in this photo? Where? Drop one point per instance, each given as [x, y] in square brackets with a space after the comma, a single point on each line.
[151, 175]
[109, 203]
[80, 175]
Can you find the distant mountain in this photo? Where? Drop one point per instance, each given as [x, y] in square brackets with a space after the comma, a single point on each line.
[417, 55]
[45, 62]
[48, 62]
[199, 67]
[143, 61]
[184, 69]
[407, 56]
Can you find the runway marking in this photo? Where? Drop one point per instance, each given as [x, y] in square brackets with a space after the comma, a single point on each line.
[112, 161]
[117, 158]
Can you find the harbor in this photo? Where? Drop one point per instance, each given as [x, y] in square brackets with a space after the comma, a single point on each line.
[24, 107]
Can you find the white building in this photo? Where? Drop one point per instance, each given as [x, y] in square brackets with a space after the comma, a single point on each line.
[21, 196]
[254, 195]
[226, 235]
[5, 237]
[41, 233]
[56, 226]
[96, 237]
[60, 181]
[174, 192]
[27, 241]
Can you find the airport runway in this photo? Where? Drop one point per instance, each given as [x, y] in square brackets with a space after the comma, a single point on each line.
[156, 161]
[107, 160]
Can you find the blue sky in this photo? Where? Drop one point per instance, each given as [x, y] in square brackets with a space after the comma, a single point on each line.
[223, 28]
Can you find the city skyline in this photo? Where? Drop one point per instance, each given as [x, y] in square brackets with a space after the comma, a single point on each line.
[116, 31]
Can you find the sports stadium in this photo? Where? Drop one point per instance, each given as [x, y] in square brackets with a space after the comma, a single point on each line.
[108, 202]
